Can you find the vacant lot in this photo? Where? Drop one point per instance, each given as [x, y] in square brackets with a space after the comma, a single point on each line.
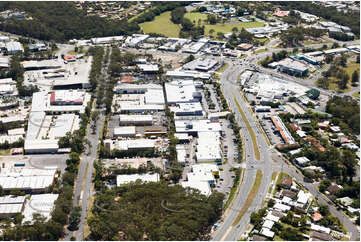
[161, 25]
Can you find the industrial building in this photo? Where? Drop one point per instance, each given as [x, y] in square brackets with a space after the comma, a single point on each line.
[106, 40]
[187, 109]
[148, 68]
[202, 186]
[61, 101]
[292, 67]
[124, 131]
[193, 127]
[208, 147]
[131, 144]
[11, 205]
[125, 179]
[200, 64]
[183, 91]
[193, 47]
[187, 75]
[27, 179]
[135, 39]
[137, 120]
[40, 203]
[14, 47]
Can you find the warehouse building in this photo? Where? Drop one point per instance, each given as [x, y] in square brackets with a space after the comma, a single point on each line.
[134, 144]
[106, 40]
[135, 39]
[40, 203]
[148, 68]
[200, 64]
[29, 180]
[292, 67]
[137, 120]
[202, 186]
[208, 147]
[193, 127]
[187, 109]
[124, 131]
[14, 47]
[193, 47]
[125, 179]
[183, 91]
[187, 75]
[11, 205]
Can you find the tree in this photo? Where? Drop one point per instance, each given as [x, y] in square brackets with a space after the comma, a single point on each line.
[355, 77]
[211, 19]
[220, 35]
[74, 218]
[211, 32]
[234, 29]
[342, 84]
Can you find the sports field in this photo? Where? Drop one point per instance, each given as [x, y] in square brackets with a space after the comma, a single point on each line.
[161, 25]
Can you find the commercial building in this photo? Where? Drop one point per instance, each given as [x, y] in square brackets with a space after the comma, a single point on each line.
[187, 75]
[244, 46]
[42, 204]
[11, 205]
[135, 40]
[26, 179]
[187, 109]
[259, 109]
[125, 179]
[193, 127]
[61, 101]
[282, 129]
[208, 147]
[193, 47]
[292, 67]
[302, 160]
[106, 40]
[200, 64]
[137, 120]
[181, 154]
[131, 144]
[148, 68]
[14, 47]
[183, 91]
[202, 186]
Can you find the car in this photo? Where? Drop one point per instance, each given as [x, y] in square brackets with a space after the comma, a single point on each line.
[221, 179]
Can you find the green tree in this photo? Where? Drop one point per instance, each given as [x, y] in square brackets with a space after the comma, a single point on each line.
[355, 78]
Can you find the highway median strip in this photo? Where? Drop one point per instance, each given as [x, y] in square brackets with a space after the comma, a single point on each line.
[250, 198]
[235, 188]
[250, 130]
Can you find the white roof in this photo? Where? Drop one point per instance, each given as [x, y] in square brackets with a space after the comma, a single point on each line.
[11, 204]
[202, 186]
[42, 203]
[268, 233]
[320, 228]
[9, 138]
[14, 118]
[202, 125]
[268, 224]
[181, 136]
[132, 144]
[302, 160]
[18, 131]
[14, 46]
[124, 130]
[154, 96]
[208, 147]
[180, 91]
[271, 217]
[135, 118]
[40, 144]
[199, 168]
[204, 176]
[181, 108]
[281, 207]
[302, 197]
[148, 67]
[181, 153]
[124, 179]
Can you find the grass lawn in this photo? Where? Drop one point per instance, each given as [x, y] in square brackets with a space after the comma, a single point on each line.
[251, 196]
[351, 67]
[274, 175]
[280, 178]
[5, 152]
[250, 130]
[233, 190]
[161, 25]
[260, 51]
[356, 95]
[195, 17]
[227, 28]
[223, 68]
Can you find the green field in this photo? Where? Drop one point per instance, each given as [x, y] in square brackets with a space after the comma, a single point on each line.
[251, 196]
[161, 25]
[226, 28]
[195, 16]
